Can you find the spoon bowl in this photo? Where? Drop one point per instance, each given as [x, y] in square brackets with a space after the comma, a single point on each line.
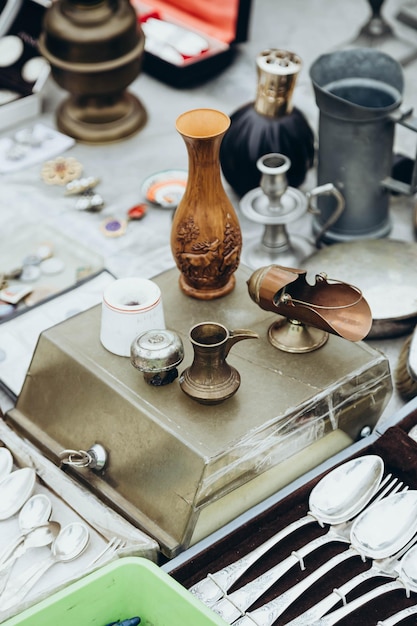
[386, 526]
[42, 535]
[69, 544]
[344, 492]
[6, 462]
[15, 489]
[408, 570]
[35, 512]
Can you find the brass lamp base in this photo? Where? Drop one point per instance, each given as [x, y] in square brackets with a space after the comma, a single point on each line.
[293, 336]
[91, 121]
[95, 49]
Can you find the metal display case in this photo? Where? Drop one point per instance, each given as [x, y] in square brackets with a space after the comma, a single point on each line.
[179, 469]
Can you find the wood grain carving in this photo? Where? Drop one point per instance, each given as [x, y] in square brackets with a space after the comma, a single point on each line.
[206, 239]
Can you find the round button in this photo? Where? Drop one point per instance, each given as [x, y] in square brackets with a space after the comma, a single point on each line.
[52, 266]
[11, 49]
[33, 68]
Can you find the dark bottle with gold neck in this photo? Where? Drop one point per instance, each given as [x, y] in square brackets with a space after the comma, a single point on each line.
[270, 124]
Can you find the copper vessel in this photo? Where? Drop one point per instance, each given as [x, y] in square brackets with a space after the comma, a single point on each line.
[95, 49]
[308, 313]
[210, 379]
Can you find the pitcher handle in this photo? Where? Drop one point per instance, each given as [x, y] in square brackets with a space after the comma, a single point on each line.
[325, 190]
[405, 118]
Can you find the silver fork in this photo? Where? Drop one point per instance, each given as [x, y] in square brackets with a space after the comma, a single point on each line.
[234, 605]
[114, 544]
[214, 586]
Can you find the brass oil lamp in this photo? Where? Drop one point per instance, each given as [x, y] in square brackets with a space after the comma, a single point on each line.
[95, 49]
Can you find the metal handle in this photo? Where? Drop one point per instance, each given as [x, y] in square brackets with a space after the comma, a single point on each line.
[95, 457]
[210, 589]
[326, 190]
[405, 118]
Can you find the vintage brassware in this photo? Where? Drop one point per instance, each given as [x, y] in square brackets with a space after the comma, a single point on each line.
[206, 239]
[276, 205]
[308, 313]
[369, 265]
[359, 94]
[95, 50]
[210, 379]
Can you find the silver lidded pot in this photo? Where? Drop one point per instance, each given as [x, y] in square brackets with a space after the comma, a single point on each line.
[157, 353]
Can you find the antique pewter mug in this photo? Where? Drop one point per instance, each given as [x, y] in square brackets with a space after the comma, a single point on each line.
[210, 379]
[359, 93]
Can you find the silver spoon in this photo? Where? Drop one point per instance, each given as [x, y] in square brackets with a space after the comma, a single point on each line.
[380, 568]
[68, 545]
[36, 538]
[6, 462]
[232, 606]
[406, 580]
[15, 489]
[336, 498]
[377, 533]
[35, 512]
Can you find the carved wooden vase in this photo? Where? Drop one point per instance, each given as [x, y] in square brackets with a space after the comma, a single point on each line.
[206, 239]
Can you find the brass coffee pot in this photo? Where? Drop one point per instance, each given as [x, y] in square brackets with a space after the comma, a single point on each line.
[210, 379]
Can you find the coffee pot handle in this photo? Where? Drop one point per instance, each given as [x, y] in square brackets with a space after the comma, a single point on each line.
[325, 190]
[406, 119]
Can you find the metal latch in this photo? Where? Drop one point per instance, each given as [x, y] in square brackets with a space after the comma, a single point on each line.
[94, 458]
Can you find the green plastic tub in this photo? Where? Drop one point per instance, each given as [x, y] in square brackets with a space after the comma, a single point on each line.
[128, 587]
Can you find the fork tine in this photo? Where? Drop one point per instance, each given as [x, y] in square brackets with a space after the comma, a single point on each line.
[114, 544]
[399, 487]
[386, 485]
[390, 486]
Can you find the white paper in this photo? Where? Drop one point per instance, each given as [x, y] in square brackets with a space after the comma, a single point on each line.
[18, 336]
[53, 144]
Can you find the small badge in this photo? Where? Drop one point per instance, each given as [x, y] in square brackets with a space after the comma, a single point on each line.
[137, 212]
[15, 293]
[61, 171]
[113, 227]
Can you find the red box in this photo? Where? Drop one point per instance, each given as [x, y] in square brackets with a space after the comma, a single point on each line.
[221, 23]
